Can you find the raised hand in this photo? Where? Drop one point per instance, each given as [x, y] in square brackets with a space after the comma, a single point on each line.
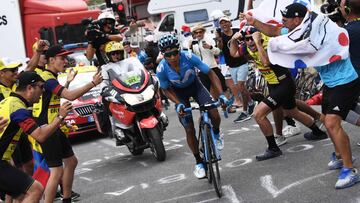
[65, 108]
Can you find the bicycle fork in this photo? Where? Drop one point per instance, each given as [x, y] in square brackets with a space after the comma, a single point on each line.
[207, 156]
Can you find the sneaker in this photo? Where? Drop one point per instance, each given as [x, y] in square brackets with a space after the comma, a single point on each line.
[251, 108]
[290, 131]
[347, 178]
[199, 171]
[242, 117]
[269, 153]
[74, 195]
[219, 141]
[58, 195]
[336, 163]
[312, 136]
[280, 140]
[358, 143]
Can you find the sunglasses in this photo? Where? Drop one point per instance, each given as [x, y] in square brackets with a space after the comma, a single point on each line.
[37, 85]
[249, 38]
[171, 53]
[14, 70]
[115, 53]
[198, 32]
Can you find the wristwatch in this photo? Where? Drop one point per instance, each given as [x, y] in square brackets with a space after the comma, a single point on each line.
[61, 117]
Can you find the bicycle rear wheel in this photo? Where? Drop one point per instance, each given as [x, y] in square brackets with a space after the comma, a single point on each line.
[213, 166]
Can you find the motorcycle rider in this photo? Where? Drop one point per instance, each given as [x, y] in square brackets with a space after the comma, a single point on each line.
[115, 53]
[180, 82]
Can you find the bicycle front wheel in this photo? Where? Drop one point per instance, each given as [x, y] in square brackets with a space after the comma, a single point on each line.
[213, 165]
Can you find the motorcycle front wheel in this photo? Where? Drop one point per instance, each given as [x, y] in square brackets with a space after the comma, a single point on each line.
[156, 144]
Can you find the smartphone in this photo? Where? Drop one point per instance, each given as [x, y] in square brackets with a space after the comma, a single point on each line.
[194, 42]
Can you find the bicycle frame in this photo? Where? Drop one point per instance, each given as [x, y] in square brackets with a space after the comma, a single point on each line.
[205, 120]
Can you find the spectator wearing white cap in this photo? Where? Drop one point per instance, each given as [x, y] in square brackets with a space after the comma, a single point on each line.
[238, 68]
[205, 47]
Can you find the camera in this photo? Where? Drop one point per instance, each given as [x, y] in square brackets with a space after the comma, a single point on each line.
[93, 28]
[194, 42]
[331, 8]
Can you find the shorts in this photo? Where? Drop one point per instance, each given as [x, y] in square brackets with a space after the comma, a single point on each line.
[23, 152]
[341, 99]
[56, 148]
[13, 181]
[282, 94]
[198, 92]
[205, 80]
[239, 73]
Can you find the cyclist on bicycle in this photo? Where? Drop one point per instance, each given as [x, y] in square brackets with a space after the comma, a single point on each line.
[177, 76]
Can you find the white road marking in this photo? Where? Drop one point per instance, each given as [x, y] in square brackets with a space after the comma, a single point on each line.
[267, 183]
[85, 178]
[120, 192]
[238, 162]
[238, 131]
[113, 156]
[79, 171]
[256, 125]
[175, 146]
[230, 194]
[299, 148]
[328, 144]
[166, 143]
[143, 163]
[93, 161]
[144, 185]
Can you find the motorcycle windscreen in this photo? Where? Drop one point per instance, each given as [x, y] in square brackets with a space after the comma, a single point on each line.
[129, 75]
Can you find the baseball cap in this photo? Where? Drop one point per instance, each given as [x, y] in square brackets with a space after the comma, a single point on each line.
[294, 10]
[224, 18]
[5, 63]
[27, 78]
[57, 50]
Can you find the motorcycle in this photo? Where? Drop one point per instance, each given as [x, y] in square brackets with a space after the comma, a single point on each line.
[135, 105]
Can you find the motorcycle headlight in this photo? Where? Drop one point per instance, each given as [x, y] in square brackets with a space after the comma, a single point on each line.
[146, 95]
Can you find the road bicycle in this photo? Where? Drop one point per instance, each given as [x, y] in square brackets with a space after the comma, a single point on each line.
[211, 154]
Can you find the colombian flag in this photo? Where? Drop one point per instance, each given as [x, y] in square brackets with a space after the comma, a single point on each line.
[41, 169]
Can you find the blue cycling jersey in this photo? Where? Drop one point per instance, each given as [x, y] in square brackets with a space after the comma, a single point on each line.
[169, 77]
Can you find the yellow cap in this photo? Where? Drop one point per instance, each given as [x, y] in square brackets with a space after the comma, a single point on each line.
[7, 64]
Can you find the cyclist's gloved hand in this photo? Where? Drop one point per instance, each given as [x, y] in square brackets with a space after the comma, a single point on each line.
[180, 109]
[223, 100]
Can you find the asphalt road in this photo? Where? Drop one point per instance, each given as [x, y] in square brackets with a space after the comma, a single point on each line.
[106, 173]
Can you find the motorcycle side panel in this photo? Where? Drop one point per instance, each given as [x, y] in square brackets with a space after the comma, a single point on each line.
[121, 114]
[149, 122]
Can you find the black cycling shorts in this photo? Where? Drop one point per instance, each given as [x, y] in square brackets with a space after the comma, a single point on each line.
[282, 94]
[23, 152]
[205, 80]
[341, 99]
[13, 181]
[56, 148]
[198, 92]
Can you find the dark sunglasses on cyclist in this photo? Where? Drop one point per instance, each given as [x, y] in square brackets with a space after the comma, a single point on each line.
[116, 53]
[249, 38]
[171, 53]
